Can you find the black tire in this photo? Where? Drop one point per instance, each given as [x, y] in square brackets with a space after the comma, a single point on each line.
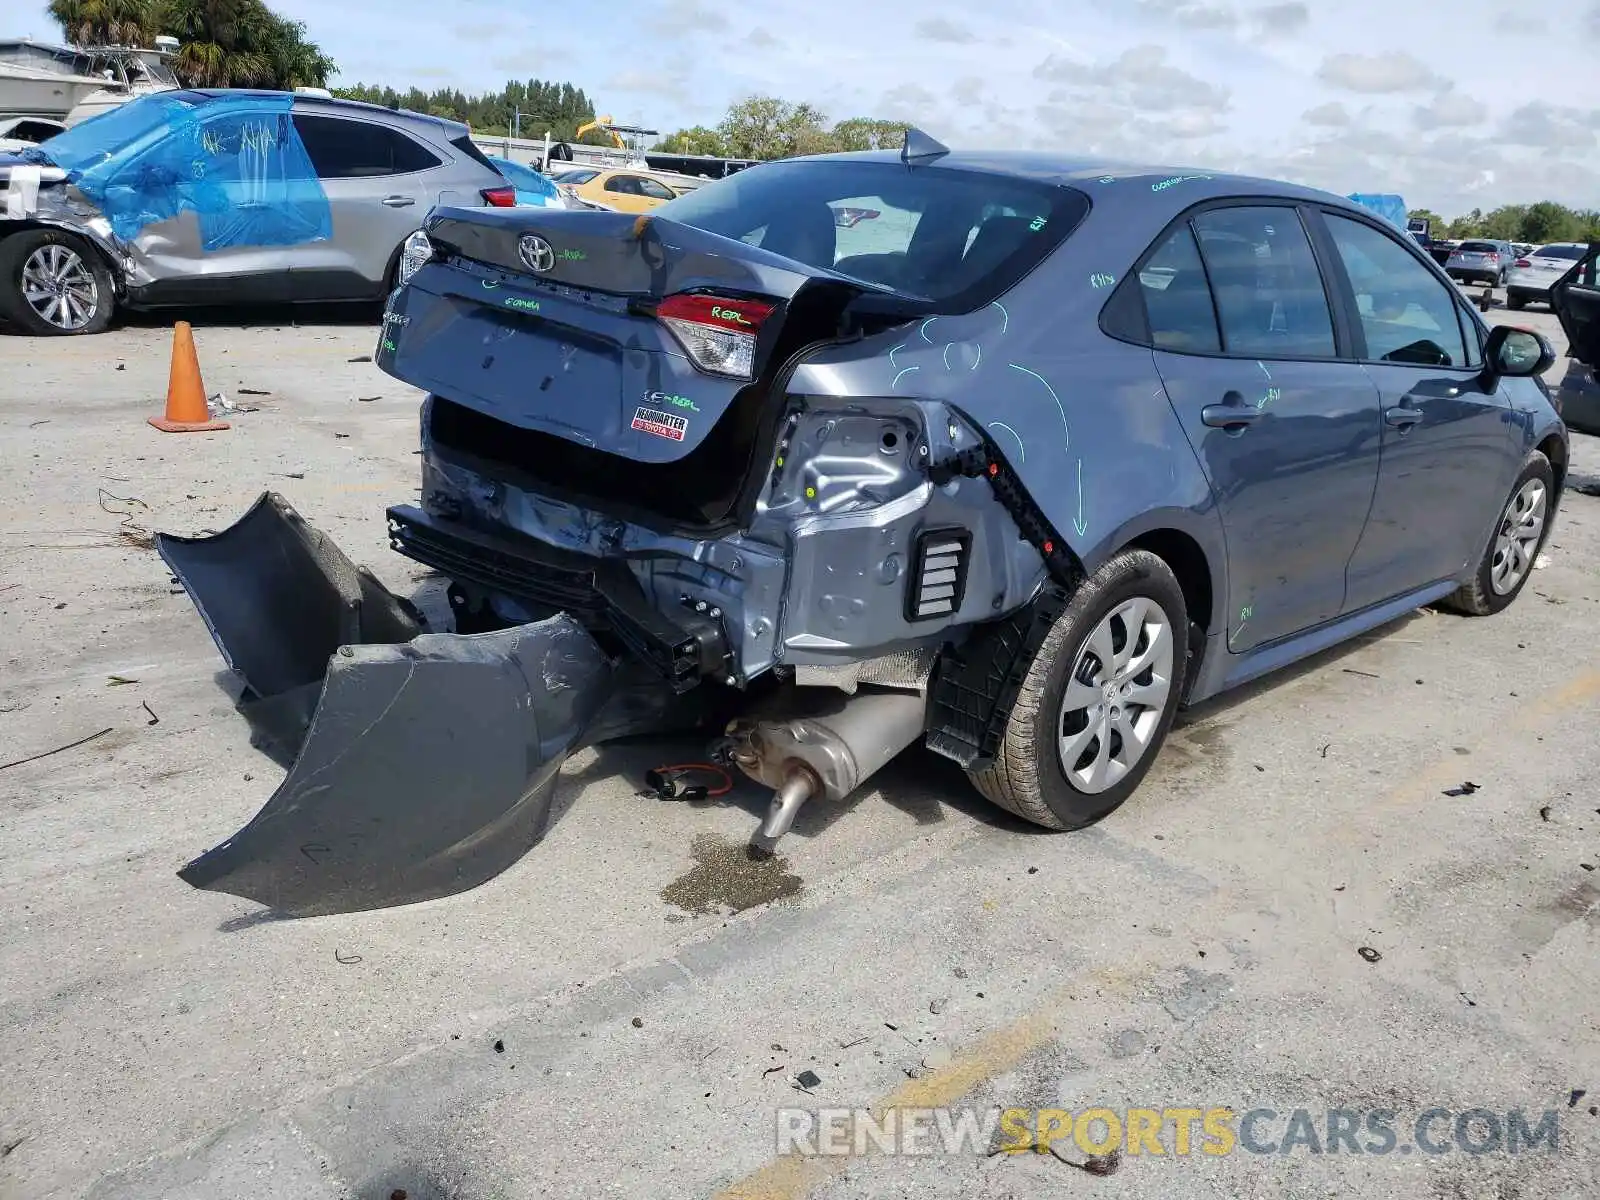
[19, 248]
[1478, 597]
[1027, 777]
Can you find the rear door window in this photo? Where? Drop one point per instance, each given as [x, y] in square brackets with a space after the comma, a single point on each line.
[1177, 299]
[623, 185]
[656, 191]
[1407, 315]
[345, 149]
[1269, 293]
[957, 239]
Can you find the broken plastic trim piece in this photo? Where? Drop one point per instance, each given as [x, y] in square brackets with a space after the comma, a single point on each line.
[422, 764]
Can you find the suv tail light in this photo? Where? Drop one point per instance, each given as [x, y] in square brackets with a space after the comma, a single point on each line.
[500, 197]
[718, 332]
[1494, 255]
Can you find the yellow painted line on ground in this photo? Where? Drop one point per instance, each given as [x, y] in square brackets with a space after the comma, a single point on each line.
[1443, 772]
[793, 1177]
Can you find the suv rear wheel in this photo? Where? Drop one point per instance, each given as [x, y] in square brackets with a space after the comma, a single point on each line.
[53, 284]
[1098, 699]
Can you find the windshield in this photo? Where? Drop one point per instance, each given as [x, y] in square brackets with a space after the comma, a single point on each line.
[92, 142]
[1562, 250]
[952, 237]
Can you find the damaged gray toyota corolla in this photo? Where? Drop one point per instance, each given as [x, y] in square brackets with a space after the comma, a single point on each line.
[958, 470]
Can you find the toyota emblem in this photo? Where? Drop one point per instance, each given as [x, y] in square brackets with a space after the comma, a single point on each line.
[536, 253]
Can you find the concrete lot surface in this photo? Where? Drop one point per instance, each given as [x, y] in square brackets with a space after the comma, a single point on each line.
[623, 1012]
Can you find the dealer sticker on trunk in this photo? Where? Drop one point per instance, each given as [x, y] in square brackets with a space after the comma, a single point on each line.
[650, 420]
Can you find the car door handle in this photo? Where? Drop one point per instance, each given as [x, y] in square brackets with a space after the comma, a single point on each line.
[399, 201]
[1231, 416]
[1402, 417]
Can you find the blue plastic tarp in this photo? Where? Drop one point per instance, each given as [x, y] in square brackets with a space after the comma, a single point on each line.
[236, 162]
[1387, 205]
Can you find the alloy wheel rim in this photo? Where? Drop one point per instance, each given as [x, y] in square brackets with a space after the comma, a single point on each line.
[1516, 541]
[59, 286]
[1115, 695]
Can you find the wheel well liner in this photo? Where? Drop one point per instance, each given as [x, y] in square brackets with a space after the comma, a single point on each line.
[1555, 449]
[976, 684]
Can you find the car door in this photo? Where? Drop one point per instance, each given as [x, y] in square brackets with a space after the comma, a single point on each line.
[1286, 430]
[1449, 451]
[656, 191]
[623, 193]
[1576, 299]
[377, 186]
[241, 213]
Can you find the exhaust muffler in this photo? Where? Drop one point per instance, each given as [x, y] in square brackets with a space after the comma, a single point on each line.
[822, 743]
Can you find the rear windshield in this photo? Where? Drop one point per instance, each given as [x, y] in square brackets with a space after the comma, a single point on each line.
[1564, 251]
[1479, 247]
[954, 238]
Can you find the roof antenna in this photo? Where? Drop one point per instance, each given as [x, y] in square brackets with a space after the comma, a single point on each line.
[919, 147]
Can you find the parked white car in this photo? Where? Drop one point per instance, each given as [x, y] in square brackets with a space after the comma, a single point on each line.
[1530, 277]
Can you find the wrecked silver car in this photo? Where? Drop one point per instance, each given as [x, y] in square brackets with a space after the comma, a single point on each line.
[223, 196]
[975, 469]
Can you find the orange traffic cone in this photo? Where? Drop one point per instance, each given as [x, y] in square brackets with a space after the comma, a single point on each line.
[186, 395]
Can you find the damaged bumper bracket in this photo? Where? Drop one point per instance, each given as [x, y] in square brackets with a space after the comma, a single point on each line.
[603, 592]
[423, 764]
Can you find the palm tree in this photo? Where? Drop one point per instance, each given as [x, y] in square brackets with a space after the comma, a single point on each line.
[242, 43]
[104, 22]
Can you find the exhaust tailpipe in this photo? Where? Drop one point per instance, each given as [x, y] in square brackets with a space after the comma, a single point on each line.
[822, 743]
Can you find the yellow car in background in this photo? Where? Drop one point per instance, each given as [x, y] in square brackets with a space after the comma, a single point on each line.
[624, 189]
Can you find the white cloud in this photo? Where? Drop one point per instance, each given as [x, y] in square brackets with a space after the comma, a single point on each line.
[1143, 76]
[942, 29]
[1392, 71]
[1449, 109]
[1331, 114]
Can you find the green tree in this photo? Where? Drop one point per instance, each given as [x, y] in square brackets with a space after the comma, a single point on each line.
[1547, 221]
[1505, 223]
[869, 133]
[104, 22]
[558, 108]
[698, 140]
[766, 127]
[221, 43]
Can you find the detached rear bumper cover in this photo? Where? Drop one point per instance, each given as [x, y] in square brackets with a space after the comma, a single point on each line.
[422, 764]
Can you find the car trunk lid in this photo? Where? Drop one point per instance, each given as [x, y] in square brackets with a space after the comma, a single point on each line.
[628, 334]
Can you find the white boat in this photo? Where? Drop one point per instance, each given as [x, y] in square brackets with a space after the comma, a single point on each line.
[27, 91]
[72, 83]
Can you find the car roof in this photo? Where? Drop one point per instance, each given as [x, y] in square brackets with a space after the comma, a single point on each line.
[1199, 183]
[333, 106]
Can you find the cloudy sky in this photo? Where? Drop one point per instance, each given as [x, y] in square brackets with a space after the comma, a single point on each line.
[1474, 103]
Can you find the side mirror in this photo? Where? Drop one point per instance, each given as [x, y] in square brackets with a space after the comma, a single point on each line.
[1518, 353]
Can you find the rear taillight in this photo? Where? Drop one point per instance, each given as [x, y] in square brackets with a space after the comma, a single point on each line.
[1522, 262]
[1493, 254]
[718, 333]
[500, 197]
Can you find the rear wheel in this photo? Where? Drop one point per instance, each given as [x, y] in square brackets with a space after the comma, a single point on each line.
[1098, 698]
[53, 285]
[1514, 545]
